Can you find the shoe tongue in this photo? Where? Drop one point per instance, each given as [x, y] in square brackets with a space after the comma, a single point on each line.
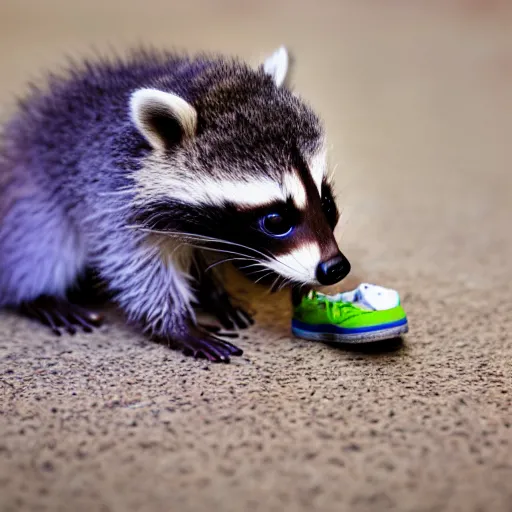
[366, 296]
[376, 297]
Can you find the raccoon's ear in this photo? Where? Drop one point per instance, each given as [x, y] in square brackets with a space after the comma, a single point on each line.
[163, 118]
[277, 65]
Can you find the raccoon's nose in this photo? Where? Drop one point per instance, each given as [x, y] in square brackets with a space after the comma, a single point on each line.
[333, 270]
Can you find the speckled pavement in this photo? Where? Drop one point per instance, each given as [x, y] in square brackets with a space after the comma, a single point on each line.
[418, 104]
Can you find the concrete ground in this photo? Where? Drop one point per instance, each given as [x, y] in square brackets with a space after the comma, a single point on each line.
[417, 98]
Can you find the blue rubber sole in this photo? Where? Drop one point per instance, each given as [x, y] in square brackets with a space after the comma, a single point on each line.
[333, 333]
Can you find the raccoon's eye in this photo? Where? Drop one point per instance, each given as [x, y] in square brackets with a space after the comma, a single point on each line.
[276, 225]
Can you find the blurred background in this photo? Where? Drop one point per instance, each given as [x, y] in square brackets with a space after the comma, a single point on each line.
[417, 100]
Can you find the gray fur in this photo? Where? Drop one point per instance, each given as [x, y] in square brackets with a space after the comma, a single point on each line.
[72, 164]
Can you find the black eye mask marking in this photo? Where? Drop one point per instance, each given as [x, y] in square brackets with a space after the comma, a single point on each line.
[223, 222]
[329, 205]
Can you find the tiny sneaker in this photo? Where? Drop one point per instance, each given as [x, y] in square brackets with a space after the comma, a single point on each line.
[368, 313]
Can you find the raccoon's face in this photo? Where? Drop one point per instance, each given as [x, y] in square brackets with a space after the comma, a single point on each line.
[248, 177]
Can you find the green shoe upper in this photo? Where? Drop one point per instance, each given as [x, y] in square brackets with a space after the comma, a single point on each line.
[318, 309]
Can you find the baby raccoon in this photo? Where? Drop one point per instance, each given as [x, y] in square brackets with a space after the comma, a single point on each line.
[137, 169]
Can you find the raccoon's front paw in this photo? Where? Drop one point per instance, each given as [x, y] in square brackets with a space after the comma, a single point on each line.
[199, 343]
[61, 315]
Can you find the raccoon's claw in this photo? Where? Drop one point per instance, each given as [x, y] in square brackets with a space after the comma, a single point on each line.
[230, 317]
[215, 329]
[213, 299]
[199, 343]
[241, 318]
[234, 318]
[60, 315]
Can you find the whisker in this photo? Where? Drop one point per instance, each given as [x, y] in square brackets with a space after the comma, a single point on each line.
[263, 276]
[203, 248]
[213, 265]
[299, 263]
[258, 264]
[285, 283]
[204, 238]
[244, 256]
[272, 287]
[200, 237]
[258, 271]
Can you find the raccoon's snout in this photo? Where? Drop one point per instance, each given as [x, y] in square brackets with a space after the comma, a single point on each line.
[333, 270]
